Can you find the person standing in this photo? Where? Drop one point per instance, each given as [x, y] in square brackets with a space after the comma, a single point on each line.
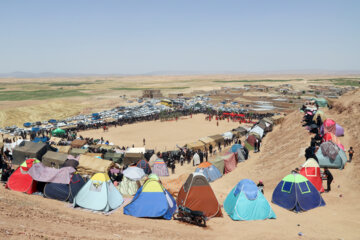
[351, 153]
[329, 178]
[144, 141]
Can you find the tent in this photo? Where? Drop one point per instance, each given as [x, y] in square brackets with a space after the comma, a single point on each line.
[331, 137]
[99, 194]
[20, 180]
[250, 142]
[208, 141]
[210, 171]
[90, 165]
[78, 143]
[246, 202]
[64, 149]
[217, 138]
[28, 149]
[295, 192]
[132, 158]
[258, 130]
[131, 181]
[160, 168]
[198, 145]
[218, 162]
[331, 126]
[128, 187]
[152, 200]
[115, 157]
[266, 124]
[331, 156]
[239, 132]
[152, 160]
[239, 150]
[54, 159]
[230, 162]
[58, 132]
[311, 170]
[77, 151]
[321, 114]
[64, 192]
[228, 135]
[321, 102]
[143, 164]
[197, 194]
[134, 173]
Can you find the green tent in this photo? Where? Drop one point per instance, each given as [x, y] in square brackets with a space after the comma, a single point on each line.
[322, 102]
[115, 157]
[218, 162]
[58, 132]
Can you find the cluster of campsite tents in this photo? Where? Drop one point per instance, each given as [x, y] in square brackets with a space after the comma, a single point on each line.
[302, 191]
[63, 181]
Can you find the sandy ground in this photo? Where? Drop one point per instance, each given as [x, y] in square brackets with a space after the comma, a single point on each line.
[163, 136]
[33, 217]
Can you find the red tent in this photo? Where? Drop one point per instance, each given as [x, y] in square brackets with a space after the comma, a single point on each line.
[20, 180]
[230, 162]
[311, 171]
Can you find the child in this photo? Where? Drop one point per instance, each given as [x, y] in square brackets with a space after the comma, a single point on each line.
[351, 153]
[260, 186]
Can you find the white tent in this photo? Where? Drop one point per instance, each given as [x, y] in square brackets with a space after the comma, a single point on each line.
[134, 173]
[258, 130]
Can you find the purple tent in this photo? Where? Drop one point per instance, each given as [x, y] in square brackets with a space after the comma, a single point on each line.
[47, 174]
[339, 131]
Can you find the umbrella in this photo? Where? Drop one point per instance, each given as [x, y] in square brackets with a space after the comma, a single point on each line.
[134, 173]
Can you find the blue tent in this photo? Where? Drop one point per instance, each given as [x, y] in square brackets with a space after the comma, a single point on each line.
[239, 149]
[246, 202]
[152, 200]
[234, 148]
[296, 192]
[64, 192]
[27, 124]
[210, 171]
[99, 194]
[143, 164]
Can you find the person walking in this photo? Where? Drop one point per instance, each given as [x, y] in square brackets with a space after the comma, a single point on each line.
[351, 153]
[329, 178]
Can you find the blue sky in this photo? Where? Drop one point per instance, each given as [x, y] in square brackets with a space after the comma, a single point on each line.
[76, 36]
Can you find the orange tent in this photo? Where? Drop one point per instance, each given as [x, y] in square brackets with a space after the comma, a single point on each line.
[197, 194]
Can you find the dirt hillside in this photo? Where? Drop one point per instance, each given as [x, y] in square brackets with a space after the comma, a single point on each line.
[33, 217]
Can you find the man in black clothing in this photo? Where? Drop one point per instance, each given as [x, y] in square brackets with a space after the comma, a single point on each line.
[329, 177]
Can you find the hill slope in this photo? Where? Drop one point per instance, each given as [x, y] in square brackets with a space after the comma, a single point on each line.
[33, 217]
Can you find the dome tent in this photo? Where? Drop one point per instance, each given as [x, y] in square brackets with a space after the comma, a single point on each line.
[64, 192]
[311, 170]
[20, 180]
[151, 200]
[210, 171]
[331, 156]
[99, 194]
[295, 192]
[197, 194]
[246, 202]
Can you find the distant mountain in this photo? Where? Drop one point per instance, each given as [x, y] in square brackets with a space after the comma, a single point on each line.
[167, 73]
[50, 74]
